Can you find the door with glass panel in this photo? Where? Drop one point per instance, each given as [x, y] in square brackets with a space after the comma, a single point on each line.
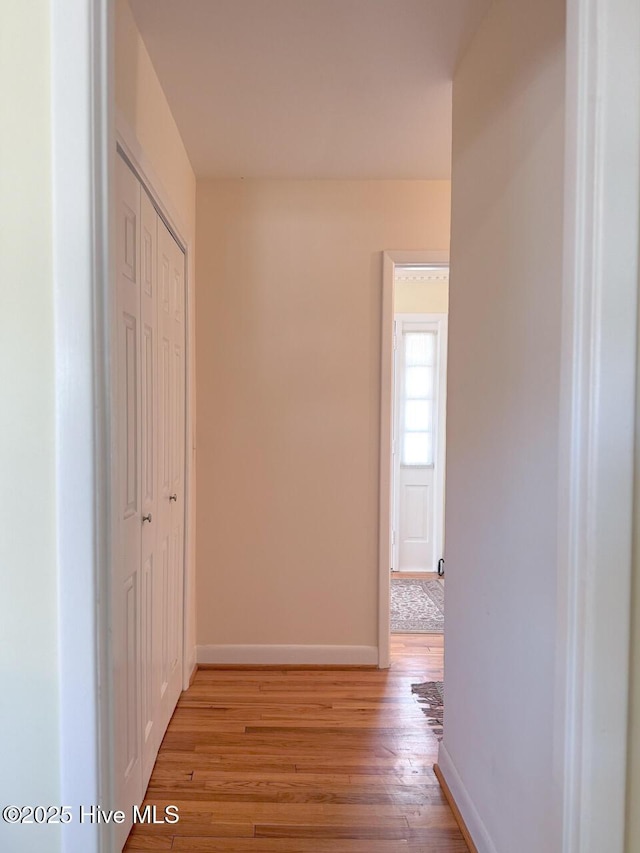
[420, 372]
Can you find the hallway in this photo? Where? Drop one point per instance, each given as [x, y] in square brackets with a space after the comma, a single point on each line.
[304, 761]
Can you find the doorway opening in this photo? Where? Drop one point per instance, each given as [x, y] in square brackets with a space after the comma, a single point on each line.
[412, 446]
[420, 313]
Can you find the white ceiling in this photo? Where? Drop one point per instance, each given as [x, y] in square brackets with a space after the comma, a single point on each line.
[310, 88]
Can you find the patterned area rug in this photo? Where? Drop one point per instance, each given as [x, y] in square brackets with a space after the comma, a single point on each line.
[431, 694]
[417, 606]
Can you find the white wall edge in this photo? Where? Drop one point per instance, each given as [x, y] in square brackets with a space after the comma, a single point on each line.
[389, 261]
[596, 461]
[81, 70]
[470, 815]
[288, 654]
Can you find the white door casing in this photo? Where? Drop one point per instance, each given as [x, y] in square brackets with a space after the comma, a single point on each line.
[598, 419]
[419, 457]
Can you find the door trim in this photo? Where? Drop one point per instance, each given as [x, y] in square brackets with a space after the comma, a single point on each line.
[598, 419]
[385, 498]
[441, 323]
[81, 134]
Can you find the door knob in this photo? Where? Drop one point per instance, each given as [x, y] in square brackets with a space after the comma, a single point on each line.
[173, 497]
[146, 518]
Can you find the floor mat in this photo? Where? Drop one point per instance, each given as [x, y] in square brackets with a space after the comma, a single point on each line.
[417, 606]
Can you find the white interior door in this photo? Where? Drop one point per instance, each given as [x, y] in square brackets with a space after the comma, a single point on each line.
[126, 577]
[151, 588]
[150, 459]
[171, 405]
[419, 394]
[178, 470]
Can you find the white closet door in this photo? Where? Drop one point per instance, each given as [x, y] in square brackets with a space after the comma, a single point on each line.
[178, 467]
[171, 464]
[148, 565]
[150, 585]
[126, 586]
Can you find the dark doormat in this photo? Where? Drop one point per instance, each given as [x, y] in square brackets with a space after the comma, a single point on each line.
[431, 697]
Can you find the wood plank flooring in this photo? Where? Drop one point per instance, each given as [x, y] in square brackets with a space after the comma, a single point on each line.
[304, 761]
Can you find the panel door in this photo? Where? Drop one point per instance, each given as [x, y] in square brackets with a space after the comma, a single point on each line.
[150, 585]
[148, 566]
[171, 466]
[126, 577]
[415, 528]
[416, 407]
[178, 465]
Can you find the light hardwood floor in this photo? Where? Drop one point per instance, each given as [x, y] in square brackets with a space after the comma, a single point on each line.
[304, 761]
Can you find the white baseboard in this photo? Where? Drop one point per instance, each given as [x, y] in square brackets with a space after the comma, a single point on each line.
[273, 654]
[476, 828]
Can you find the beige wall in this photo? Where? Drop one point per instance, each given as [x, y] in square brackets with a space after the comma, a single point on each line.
[141, 103]
[503, 423]
[288, 371]
[424, 297]
[28, 611]
[140, 100]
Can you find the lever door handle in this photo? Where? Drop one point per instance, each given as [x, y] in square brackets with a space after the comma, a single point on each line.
[146, 518]
[173, 497]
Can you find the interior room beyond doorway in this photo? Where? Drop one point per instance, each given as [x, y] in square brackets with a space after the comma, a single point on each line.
[420, 309]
